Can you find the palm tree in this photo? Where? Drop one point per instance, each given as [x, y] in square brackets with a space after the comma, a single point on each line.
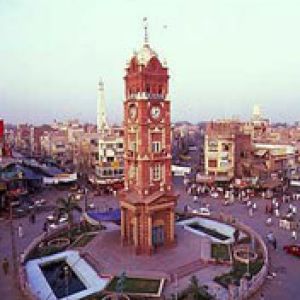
[68, 206]
[196, 291]
[194, 287]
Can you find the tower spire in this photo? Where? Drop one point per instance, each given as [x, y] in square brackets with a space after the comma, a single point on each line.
[101, 111]
[146, 39]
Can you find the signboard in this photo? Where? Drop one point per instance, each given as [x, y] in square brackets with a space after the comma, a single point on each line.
[295, 183]
[180, 170]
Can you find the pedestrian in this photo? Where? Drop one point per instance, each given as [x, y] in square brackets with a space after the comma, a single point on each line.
[275, 243]
[32, 217]
[294, 235]
[267, 209]
[185, 209]
[20, 231]
[45, 227]
[269, 221]
[5, 266]
[262, 296]
[250, 212]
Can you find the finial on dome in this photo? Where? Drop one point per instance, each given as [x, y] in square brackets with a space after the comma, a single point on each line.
[101, 84]
[145, 21]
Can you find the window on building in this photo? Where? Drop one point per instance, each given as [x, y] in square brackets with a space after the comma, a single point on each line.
[156, 172]
[133, 146]
[212, 163]
[225, 147]
[110, 159]
[212, 146]
[243, 154]
[120, 145]
[222, 173]
[156, 147]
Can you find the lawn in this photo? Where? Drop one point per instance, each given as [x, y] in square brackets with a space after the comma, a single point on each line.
[136, 285]
[238, 271]
[220, 252]
[212, 232]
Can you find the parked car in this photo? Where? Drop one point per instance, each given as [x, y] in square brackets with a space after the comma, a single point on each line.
[203, 211]
[292, 249]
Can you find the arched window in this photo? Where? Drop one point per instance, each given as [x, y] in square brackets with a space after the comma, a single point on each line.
[160, 89]
[148, 88]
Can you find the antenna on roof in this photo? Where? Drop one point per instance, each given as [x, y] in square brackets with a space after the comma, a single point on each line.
[145, 21]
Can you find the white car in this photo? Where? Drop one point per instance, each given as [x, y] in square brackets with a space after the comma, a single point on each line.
[203, 211]
[214, 195]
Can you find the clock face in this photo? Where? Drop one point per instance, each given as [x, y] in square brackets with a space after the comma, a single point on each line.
[155, 112]
[132, 112]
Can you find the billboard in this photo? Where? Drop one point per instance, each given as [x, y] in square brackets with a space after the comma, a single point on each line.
[1, 129]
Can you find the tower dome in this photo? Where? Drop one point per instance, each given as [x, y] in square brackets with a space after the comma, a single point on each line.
[144, 55]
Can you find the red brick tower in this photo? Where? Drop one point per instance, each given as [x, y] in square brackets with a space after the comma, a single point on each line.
[147, 202]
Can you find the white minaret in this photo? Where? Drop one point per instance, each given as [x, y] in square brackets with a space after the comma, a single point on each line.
[256, 113]
[102, 124]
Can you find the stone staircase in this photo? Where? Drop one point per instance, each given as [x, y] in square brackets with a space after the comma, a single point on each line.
[186, 269]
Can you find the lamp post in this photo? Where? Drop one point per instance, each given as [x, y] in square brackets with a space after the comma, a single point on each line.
[13, 240]
[176, 286]
[120, 284]
[248, 262]
[66, 277]
[85, 198]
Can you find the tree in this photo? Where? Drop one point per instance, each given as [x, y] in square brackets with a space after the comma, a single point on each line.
[197, 292]
[194, 286]
[68, 206]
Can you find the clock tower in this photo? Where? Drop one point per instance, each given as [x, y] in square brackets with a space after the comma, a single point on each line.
[147, 201]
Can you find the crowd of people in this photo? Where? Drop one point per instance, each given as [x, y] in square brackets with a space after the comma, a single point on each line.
[280, 206]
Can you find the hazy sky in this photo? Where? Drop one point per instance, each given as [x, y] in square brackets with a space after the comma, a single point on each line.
[224, 56]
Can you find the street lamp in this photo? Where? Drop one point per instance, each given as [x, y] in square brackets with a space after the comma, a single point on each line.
[248, 262]
[85, 198]
[13, 240]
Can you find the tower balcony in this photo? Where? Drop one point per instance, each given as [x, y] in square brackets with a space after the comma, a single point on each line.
[159, 155]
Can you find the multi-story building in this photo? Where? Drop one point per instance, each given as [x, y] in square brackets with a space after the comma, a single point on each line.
[36, 133]
[23, 138]
[227, 149]
[111, 156]
[55, 144]
[276, 159]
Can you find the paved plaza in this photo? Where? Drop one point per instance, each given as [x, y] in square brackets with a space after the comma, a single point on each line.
[287, 268]
[113, 259]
